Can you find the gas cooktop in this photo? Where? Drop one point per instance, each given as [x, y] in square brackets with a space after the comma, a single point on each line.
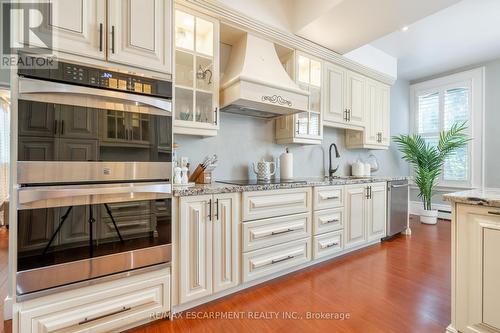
[246, 182]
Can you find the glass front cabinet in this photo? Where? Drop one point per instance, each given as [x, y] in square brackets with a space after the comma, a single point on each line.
[305, 127]
[196, 89]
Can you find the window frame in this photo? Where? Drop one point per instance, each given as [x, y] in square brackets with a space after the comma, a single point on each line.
[474, 80]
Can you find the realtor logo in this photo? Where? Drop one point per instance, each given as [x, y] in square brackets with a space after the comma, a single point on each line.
[26, 29]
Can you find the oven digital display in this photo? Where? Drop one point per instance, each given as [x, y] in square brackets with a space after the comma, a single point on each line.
[106, 75]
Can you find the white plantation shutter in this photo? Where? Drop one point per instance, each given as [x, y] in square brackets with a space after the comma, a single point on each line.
[428, 113]
[4, 145]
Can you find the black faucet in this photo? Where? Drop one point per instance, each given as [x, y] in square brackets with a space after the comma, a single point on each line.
[331, 171]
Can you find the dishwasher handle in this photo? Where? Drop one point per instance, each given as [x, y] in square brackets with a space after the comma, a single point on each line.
[398, 186]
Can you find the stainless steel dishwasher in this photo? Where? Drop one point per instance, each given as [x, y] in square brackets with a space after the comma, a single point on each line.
[397, 207]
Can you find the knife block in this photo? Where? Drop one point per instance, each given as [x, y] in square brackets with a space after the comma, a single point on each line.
[205, 177]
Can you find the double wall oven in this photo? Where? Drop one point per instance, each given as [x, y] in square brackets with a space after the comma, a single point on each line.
[94, 175]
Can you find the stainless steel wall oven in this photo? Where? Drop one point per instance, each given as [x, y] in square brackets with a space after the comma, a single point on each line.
[94, 175]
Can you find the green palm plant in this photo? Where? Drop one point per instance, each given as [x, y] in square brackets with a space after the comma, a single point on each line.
[427, 160]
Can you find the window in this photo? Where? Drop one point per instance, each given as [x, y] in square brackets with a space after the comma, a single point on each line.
[440, 103]
[4, 145]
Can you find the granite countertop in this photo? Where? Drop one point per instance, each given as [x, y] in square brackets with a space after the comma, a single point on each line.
[216, 188]
[484, 197]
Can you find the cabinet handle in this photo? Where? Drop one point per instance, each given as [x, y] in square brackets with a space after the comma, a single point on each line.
[370, 188]
[331, 244]
[113, 39]
[88, 320]
[367, 196]
[349, 113]
[298, 127]
[332, 221]
[494, 213]
[55, 126]
[215, 111]
[345, 114]
[100, 37]
[275, 261]
[331, 198]
[62, 127]
[210, 210]
[281, 232]
[217, 209]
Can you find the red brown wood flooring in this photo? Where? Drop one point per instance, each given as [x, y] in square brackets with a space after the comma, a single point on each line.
[402, 285]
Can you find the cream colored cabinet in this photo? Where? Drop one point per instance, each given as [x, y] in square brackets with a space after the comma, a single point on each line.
[365, 213]
[208, 245]
[112, 306]
[476, 269]
[196, 92]
[344, 98]
[139, 33]
[305, 127]
[377, 131]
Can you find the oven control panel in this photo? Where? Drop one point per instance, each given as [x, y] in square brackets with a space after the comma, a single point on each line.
[108, 79]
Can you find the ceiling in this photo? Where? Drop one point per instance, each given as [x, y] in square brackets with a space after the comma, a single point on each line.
[461, 35]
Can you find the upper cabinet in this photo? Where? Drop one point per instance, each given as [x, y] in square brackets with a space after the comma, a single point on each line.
[196, 93]
[134, 32]
[139, 33]
[377, 109]
[344, 98]
[304, 127]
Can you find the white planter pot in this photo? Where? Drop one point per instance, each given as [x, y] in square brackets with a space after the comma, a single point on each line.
[428, 216]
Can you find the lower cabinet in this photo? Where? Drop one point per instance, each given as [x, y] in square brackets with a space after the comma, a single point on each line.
[106, 307]
[476, 269]
[208, 244]
[365, 210]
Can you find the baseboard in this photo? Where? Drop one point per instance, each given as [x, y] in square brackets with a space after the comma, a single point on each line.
[451, 329]
[7, 308]
[444, 211]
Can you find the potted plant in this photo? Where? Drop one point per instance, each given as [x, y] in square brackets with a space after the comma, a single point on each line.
[427, 161]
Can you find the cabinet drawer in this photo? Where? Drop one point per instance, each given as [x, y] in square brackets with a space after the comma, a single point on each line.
[328, 220]
[265, 204]
[259, 263]
[262, 233]
[327, 244]
[106, 307]
[328, 197]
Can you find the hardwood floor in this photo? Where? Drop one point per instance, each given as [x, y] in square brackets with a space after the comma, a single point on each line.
[402, 285]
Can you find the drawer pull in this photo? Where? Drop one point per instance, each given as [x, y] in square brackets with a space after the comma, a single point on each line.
[281, 232]
[332, 197]
[494, 213]
[88, 320]
[331, 244]
[275, 261]
[331, 221]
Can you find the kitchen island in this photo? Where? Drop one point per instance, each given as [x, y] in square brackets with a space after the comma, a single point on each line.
[475, 261]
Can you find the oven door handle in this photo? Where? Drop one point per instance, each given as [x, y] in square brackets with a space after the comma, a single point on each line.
[35, 87]
[28, 196]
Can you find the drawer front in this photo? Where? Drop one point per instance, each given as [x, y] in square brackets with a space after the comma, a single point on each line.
[327, 244]
[98, 309]
[328, 197]
[259, 263]
[328, 220]
[272, 203]
[262, 233]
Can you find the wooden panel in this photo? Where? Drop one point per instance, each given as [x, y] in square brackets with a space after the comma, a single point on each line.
[356, 97]
[36, 149]
[325, 197]
[491, 277]
[78, 122]
[36, 119]
[355, 210]
[274, 231]
[77, 150]
[265, 204]
[334, 94]
[259, 263]
[328, 220]
[327, 244]
[376, 211]
[226, 256]
[142, 26]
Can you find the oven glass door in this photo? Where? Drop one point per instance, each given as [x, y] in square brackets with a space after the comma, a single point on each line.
[60, 132]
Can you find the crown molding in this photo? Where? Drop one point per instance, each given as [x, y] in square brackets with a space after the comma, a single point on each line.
[239, 20]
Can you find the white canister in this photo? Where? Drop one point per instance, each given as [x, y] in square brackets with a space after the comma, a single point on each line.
[367, 171]
[358, 169]
[286, 165]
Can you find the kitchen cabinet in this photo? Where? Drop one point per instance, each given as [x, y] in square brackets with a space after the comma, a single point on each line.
[76, 150]
[208, 245]
[344, 98]
[305, 127]
[77, 122]
[76, 227]
[36, 119]
[126, 127]
[130, 32]
[36, 227]
[196, 89]
[377, 131]
[365, 213]
[475, 269]
[139, 33]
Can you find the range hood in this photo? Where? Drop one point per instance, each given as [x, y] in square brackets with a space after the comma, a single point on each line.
[256, 84]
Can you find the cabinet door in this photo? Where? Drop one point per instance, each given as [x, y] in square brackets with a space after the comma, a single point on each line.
[36, 149]
[355, 211]
[76, 227]
[372, 109]
[77, 26]
[355, 98]
[37, 119]
[491, 272]
[36, 227]
[77, 150]
[195, 248]
[226, 228]
[139, 33]
[334, 109]
[77, 122]
[385, 113]
[376, 211]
